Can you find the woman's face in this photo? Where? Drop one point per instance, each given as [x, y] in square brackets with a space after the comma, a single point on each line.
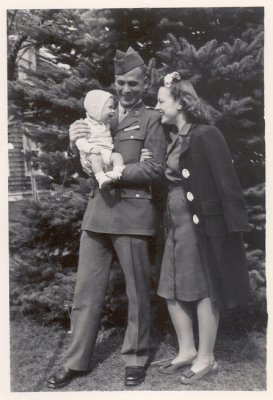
[167, 106]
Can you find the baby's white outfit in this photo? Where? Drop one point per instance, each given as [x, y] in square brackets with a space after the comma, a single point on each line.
[99, 140]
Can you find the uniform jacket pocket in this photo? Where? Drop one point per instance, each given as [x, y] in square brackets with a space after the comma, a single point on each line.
[132, 193]
[132, 134]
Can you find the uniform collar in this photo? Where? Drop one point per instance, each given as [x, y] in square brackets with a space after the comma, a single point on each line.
[120, 107]
[130, 118]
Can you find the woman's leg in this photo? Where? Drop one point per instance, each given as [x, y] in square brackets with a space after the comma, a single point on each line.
[208, 319]
[181, 316]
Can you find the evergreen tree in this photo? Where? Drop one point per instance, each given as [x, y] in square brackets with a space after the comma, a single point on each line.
[219, 49]
[201, 43]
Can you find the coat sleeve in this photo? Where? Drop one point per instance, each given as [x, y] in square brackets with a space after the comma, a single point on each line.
[149, 171]
[227, 182]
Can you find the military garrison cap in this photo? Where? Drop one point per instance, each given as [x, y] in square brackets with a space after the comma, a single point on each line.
[125, 62]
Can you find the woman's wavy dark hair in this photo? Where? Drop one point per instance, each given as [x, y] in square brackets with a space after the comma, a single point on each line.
[196, 109]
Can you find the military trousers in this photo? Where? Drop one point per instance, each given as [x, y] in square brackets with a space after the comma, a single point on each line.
[95, 259]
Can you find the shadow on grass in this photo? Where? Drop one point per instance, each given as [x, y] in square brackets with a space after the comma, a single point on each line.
[36, 351]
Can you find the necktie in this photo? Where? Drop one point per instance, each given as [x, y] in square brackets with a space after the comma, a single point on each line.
[122, 113]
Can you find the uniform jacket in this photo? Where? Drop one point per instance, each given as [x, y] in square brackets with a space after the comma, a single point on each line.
[219, 213]
[127, 207]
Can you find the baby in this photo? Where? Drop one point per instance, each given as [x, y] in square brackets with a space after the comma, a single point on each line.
[96, 149]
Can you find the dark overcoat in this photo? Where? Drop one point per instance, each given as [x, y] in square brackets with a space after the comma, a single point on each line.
[128, 207]
[218, 210]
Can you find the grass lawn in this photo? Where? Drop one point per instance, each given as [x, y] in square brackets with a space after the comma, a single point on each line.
[37, 350]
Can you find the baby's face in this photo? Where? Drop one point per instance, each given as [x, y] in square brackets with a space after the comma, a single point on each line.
[108, 110]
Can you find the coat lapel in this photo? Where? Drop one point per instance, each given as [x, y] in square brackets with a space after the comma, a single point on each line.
[186, 143]
[185, 146]
[171, 145]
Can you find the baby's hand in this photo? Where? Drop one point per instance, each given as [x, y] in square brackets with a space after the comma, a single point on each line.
[113, 175]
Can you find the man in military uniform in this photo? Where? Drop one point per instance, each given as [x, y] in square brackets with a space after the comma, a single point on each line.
[120, 220]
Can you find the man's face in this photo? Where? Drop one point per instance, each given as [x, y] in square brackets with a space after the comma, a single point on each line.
[130, 87]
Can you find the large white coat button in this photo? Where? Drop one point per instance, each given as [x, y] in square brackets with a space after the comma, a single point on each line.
[185, 173]
[137, 195]
[132, 137]
[195, 219]
[190, 196]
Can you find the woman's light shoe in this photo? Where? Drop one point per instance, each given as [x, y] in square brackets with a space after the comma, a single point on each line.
[170, 369]
[189, 376]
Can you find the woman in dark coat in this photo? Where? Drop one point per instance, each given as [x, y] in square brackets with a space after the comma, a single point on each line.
[204, 262]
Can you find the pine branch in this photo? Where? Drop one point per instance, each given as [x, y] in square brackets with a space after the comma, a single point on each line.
[257, 42]
[174, 42]
[232, 106]
[205, 51]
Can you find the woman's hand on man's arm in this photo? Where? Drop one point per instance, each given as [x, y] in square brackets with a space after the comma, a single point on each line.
[146, 154]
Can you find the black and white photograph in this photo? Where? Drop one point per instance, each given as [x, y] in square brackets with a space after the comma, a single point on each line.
[136, 198]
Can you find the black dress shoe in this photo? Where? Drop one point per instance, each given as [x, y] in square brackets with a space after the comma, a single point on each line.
[62, 378]
[134, 375]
